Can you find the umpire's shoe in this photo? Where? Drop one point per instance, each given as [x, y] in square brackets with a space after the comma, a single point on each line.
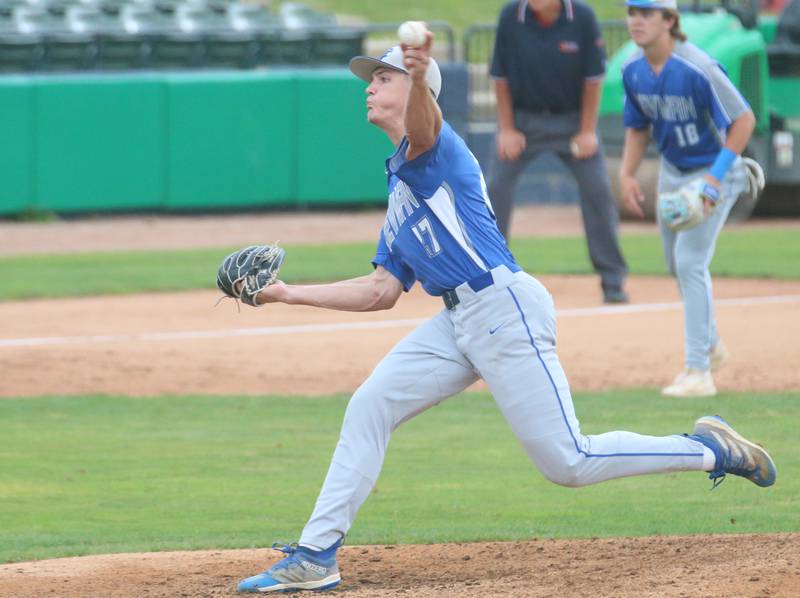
[302, 569]
[734, 453]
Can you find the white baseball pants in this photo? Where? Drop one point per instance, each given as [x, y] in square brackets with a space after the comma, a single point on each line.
[505, 334]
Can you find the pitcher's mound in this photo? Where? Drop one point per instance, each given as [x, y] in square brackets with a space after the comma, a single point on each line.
[729, 565]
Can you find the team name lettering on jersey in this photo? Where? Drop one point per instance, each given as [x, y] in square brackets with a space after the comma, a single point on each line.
[667, 107]
[402, 204]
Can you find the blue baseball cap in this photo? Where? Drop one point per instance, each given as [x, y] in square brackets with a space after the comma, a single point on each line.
[658, 4]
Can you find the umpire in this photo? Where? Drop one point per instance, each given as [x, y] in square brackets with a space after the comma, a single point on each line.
[548, 67]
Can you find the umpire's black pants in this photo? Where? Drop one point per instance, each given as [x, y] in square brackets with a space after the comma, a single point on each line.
[552, 132]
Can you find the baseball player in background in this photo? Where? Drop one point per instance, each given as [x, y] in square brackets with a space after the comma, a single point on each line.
[681, 97]
[498, 323]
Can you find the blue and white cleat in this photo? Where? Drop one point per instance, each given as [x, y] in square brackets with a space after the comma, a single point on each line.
[302, 569]
[734, 453]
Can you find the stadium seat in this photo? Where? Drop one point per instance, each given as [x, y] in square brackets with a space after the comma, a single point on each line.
[295, 46]
[168, 7]
[296, 15]
[121, 51]
[201, 19]
[224, 46]
[265, 26]
[39, 20]
[145, 19]
[251, 17]
[269, 47]
[54, 7]
[176, 51]
[92, 19]
[232, 49]
[168, 46]
[7, 22]
[110, 7]
[116, 48]
[20, 53]
[336, 45]
[167, 34]
[8, 6]
[64, 50]
[68, 52]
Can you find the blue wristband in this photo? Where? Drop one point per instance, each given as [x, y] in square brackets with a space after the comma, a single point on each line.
[710, 192]
[725, 158]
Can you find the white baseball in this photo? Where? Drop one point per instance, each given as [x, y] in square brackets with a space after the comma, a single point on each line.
[574, 148]
[412, 33]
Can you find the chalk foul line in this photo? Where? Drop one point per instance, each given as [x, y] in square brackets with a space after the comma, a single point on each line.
[580, 312]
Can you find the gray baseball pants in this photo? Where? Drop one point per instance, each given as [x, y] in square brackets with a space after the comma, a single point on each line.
[688, 255]
[552, 132]
[505, 334]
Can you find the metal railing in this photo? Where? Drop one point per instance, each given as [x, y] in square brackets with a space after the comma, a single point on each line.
[477, 51]
[382, 36]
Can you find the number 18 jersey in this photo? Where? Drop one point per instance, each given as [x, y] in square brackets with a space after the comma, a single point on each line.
[690, 104]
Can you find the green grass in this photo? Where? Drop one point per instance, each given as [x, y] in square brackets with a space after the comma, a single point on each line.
[751, 253]
[460, 14]
[99, 474]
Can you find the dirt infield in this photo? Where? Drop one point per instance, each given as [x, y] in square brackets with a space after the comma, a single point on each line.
[180, 344]
[745, 565]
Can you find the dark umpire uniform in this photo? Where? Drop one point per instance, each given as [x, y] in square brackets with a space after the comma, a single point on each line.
[546, 68]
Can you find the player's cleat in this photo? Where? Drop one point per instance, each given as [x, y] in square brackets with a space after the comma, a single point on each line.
[719, 355]
[615, 296]
[734, 453]
[302, 569]
[691, 383]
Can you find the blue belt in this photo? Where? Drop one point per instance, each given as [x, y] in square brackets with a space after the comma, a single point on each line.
[478, 283]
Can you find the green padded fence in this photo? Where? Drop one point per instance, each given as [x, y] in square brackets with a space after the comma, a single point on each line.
[16, 147]
[174, 141]
[99, 142]
[231, 140]
[341, 158]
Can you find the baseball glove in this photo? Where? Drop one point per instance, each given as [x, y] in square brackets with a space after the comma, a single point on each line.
[256, 267]
[682, 209]
[755, 177]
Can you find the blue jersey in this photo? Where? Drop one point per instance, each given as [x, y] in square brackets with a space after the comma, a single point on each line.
[439, 228]
[689, 105]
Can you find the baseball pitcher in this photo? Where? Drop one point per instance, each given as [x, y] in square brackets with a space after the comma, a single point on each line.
[497, 323]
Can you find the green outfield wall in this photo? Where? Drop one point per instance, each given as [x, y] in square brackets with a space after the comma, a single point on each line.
[16, 147]
[179, 141]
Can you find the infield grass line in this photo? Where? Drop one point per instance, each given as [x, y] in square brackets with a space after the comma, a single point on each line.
[773, 253]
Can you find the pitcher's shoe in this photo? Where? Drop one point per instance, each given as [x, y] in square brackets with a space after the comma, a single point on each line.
[691, 383]
[302, 569]
[734, 453]
[719, 355]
